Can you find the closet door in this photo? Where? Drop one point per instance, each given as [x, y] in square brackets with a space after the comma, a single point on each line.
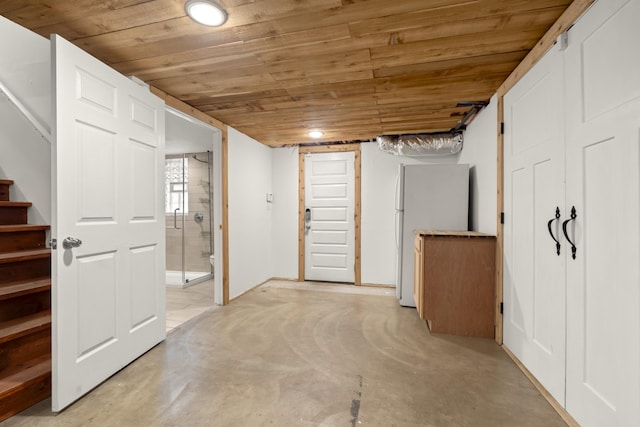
[534, 285]
[603, 158]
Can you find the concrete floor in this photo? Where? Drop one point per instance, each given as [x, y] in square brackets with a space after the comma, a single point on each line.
[287, 356]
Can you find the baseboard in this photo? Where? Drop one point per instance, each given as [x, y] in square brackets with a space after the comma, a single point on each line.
[543, 391]
[249, 290]
[376, 285]
[284, 279]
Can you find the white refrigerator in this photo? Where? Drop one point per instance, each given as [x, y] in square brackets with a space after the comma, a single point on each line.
[428, 197]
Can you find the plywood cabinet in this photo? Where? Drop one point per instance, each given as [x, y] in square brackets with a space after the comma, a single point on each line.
[454, 282]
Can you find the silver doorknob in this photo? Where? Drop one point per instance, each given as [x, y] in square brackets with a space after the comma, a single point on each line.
[71, 242]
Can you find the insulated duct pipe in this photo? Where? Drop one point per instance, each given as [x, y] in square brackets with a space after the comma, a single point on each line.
[425, 144]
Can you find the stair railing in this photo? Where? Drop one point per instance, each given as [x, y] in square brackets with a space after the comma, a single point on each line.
[25, 112]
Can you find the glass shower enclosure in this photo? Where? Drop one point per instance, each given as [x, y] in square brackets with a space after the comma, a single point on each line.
[188, 209]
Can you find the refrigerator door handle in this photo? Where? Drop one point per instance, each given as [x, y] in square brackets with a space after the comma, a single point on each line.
[397, 188]
[397, 225]
[400, 189]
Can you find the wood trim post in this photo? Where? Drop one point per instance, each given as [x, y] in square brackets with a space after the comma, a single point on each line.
[300, 216]
[500, 226]
[357, 219]
[225, 216]
[174, 102]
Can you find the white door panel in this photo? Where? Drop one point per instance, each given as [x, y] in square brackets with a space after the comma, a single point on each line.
[329, 196]
[600, 178]
[534, 287]
[603, 183]
[108, 299]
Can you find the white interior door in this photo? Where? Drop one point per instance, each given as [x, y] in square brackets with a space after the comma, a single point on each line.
[108, 155]
[534, 283]
[603, 161]
[329, 230]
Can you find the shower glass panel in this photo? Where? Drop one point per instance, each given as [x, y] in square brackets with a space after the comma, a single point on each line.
[188, 222]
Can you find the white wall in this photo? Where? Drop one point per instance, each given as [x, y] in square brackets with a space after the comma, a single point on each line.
[379, 172]
[25, 156]
[250, 248]
[481, 152]
[285, 212]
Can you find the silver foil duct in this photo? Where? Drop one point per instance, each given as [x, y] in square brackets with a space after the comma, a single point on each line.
[425, 144]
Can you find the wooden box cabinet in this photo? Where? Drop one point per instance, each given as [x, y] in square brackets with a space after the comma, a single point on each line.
[454, 281]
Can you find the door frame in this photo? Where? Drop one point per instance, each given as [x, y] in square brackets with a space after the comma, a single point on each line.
[216, 207]
[184, 108]
[302, 150]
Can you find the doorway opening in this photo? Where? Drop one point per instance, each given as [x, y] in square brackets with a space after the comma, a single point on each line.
[305, 218]
[193, 200]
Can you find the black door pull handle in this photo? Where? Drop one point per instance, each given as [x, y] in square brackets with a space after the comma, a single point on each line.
[557, 217]
[566, 235]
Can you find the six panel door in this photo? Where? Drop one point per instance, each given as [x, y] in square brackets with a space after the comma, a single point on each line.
[108, 283]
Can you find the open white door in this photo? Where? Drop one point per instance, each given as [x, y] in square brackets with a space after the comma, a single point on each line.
[108, 218]
[329, 217]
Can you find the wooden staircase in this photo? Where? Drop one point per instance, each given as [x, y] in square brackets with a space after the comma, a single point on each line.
[25, 308]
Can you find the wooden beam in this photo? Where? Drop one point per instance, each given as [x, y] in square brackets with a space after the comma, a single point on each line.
[329, 148]
[174, 102]
[566, 20]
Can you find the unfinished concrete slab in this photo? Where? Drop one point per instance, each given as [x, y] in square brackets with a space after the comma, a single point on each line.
[287, 356]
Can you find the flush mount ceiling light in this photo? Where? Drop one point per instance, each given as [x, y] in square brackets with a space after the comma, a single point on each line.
[316, 133]
[206, 12]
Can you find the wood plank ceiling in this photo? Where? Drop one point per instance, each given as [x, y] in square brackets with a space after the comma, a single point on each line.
[278, 68]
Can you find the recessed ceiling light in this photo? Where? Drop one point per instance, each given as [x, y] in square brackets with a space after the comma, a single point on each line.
[316, 133]
[206, 12]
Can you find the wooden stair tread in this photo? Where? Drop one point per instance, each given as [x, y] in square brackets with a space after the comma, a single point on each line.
[25, 340]
[24, 255]
[21, 326]
[24, 287]
[15, 204]
[34, 370]
[23, 227]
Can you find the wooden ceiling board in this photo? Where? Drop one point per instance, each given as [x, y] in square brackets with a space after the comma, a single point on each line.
[84, 19]
[427, 18]
[277, 68]
[472, 65]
